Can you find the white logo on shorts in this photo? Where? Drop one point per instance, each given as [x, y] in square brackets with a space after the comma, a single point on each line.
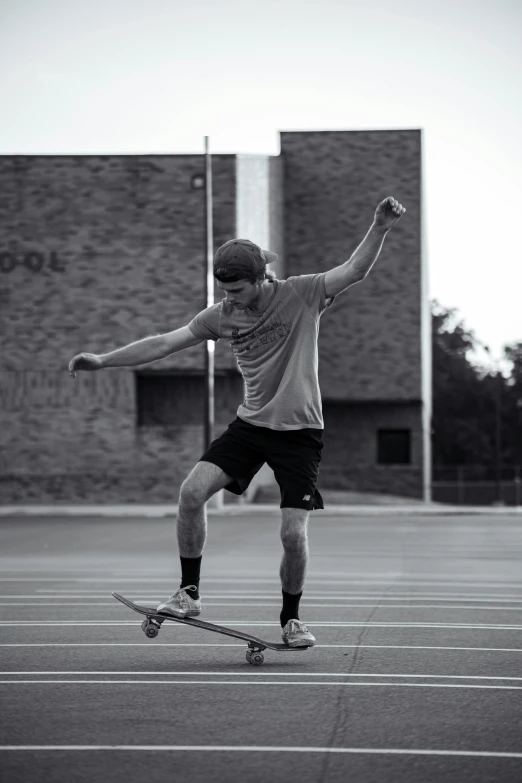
[306, 497]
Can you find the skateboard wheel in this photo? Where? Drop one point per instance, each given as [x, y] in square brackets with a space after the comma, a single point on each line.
[249, 656]
[151, 629]
[256, 658]
[144, 626]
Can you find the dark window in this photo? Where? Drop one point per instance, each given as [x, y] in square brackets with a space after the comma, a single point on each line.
[177, 399]
[393, 447]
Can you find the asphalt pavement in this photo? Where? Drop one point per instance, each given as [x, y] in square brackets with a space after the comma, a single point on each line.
[416, 675]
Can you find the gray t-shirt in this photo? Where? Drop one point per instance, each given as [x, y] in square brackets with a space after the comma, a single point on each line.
[276, 352]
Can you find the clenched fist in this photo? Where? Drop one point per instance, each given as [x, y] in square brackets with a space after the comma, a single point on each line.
[388, 213]
[84, 361]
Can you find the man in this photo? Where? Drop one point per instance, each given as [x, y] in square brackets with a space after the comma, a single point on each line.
[272, 327]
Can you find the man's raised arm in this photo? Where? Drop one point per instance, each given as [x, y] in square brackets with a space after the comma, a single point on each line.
[364, 257]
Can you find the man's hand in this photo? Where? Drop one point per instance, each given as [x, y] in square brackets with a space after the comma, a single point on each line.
[84, 361]
[388, 213]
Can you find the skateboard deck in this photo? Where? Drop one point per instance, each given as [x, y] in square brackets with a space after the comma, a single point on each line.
[152, 624]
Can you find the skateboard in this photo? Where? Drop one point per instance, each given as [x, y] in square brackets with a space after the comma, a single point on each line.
[152, 624]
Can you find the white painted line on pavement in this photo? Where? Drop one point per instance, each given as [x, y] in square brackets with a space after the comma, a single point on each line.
[397, 581]
[268, 749]
[381, 596]
[231, 623]
[383, 675]
[240, 604]
[234, 644]
[261, 682]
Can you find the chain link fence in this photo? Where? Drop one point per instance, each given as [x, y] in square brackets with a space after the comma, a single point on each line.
[477, 485]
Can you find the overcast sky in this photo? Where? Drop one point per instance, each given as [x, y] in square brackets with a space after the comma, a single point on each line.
[123, 77]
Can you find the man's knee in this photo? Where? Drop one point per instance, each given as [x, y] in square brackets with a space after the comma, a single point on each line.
[202, 482]
[294, 533]
[190, 496]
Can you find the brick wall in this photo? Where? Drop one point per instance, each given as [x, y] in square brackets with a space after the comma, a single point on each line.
[370, 340]
[98, 251]
[350, 448]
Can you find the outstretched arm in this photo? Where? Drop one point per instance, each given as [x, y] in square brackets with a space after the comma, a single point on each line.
[364, 257]
[150, 349]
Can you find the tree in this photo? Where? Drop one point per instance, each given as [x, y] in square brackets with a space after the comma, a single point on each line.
[466, 396]
[513, 402]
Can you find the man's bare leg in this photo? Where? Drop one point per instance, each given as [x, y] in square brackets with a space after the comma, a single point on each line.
[191, 527]
[294, 537]
[203, 481]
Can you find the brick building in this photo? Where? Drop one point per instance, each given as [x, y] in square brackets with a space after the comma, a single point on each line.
[99, 251]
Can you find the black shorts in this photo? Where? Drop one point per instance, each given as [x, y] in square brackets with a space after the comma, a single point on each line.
[293, 455]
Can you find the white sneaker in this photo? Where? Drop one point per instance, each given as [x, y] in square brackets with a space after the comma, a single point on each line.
[296, 634]
[181, 604]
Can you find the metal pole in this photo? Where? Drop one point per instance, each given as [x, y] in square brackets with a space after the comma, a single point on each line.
[498, 438]
[461, 486]
[426, 347]
[209, 298]
[498, 430]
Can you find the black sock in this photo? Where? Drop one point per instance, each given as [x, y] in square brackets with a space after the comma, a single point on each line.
[290, 609]
[190, 570]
